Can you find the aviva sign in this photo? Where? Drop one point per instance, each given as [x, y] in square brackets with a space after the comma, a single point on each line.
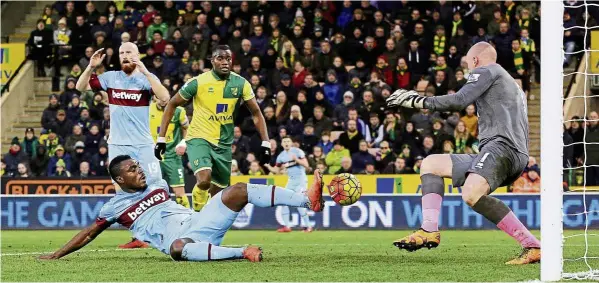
[11, 56]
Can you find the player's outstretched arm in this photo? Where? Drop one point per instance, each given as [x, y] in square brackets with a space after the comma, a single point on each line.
[95, 60]
[79, 241]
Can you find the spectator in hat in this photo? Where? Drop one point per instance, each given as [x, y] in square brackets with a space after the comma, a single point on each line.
[14, 156]
[417, 164]
[333, 89]
[67, 94]
[99, 41]
[29, 143]
[529, 182]
[369, 170]
[50, 140]
[342, 110]
[78, 156]
[286, 86]
[308, 139]
[85, 120]
[340, 70]
[383, 70]
[295, 124]
[102, 26]
[49, 114]
[74, 108]
[61, 125]
[62, 36]
[362, 157]
[334, 157]
[99, 162]
[61, 170]
[75, 137]
[59, 155]
[417, 59]
[361, 70]
[39, 42]
[157, 67]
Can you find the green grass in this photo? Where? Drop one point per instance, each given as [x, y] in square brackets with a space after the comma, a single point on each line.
[320, 256]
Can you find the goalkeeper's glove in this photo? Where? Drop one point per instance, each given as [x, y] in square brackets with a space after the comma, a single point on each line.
[406, 98]
[160, 147]
[265, 153]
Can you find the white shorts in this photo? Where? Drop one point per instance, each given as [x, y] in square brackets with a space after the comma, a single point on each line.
[298, 184]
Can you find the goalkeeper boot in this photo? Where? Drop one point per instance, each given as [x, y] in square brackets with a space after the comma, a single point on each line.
[184, 201]
[315, 193]
[418, 240]
[252, 253]
[527, 256]
[199, 198]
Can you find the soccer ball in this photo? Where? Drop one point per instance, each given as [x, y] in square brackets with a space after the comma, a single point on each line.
[345, 189]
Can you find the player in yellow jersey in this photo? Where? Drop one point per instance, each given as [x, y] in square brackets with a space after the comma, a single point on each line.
[171, 165]
[216, 97]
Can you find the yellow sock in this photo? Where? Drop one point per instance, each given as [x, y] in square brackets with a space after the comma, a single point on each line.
[184, 201]
[199, 198]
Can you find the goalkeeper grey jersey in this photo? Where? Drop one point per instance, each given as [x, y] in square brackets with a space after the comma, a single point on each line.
[500, 103]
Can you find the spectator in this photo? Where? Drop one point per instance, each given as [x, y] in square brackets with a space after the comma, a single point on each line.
[317, 156]
[283, 108]
[102, 27]
[158, 43]
[259, 41]
[96, 109]
[61, 170]
[481, 36]
[529, 182]
[397, 167]
[299, 74]
[91, 13]
[255, 169]
[117, 31]
[93, 138]
[271, 121]
[377, 131]
[402, 74]
[417, 164]
[67, 94]
[50, 140]
[519, 65]
[428, 146]
[111, 12]
[295, 125]
[75, 137]
[242, 142]
[471, 120]
[320, 121]
[29, 143]
[392, 127]
[23, 170]
[74, 109]
[81, 37]
[171, 61]
[308, 139]
[362, 157]
[235, 168]
[61, 125]
[352, 114]
[463, 139]
[577, 133]
[369, 170]
[39, 162]
[49, 114]
[333, 158]
[100, 161]
[423, 121]
[350, 139]
[592, 148]
[155, 25]
[385, 156]
[14, 156]
[59, 155]
[79, 156]
[139, 34]
[61, 37]
[440, 135]
[84, 170]
[503, 44]
[346, 166]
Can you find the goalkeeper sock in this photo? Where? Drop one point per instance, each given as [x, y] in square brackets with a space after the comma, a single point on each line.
[205, 251]
[500, 214]
[285, 215]
[267, 196]
[512, 226]
[433, 189]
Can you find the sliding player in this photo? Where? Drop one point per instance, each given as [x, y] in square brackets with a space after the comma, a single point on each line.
[149, 213]
[503, 134]
[129, 94]
[294, 160]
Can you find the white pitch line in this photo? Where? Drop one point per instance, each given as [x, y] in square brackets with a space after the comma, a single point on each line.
[80, 251]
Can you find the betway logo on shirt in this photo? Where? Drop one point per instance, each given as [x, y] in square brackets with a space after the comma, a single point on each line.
[129, 97]
[126, 95]
[154, 198]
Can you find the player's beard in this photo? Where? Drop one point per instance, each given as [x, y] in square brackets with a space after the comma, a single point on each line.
[128, 68]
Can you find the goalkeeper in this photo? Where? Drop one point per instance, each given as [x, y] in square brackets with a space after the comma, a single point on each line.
[216, 97]
[503, 134]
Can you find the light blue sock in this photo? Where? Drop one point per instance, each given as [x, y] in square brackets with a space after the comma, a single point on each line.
[268, 195]
[304, 216]
[205, 251]
[285, 215]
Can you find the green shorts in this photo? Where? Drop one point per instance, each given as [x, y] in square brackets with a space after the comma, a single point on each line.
[172, 172]
[204, 155]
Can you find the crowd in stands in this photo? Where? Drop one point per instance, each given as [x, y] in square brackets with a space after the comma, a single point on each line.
[320, 71]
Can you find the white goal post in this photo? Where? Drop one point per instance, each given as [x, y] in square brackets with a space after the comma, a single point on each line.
[552, 141]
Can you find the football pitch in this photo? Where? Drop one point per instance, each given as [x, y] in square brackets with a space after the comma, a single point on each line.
[319, 256]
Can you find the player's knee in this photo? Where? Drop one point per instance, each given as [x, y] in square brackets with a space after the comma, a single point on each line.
[470, 196]
[239, 191]
[428, 166]
[177, 246]
[436, 164]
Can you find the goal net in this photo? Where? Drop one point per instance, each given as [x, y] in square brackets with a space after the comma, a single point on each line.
[569, 63]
